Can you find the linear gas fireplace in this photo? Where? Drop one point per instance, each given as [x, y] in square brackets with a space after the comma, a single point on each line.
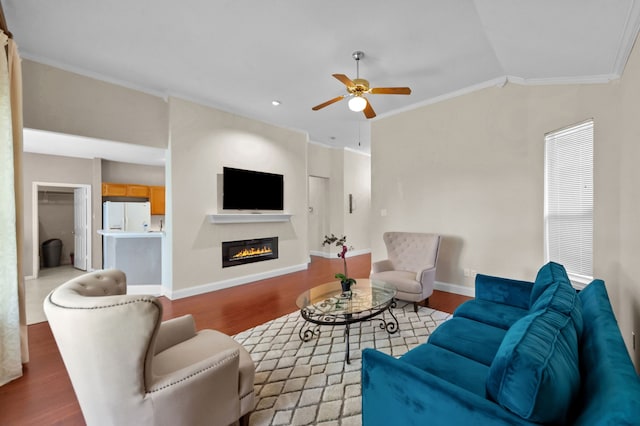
[249, 251]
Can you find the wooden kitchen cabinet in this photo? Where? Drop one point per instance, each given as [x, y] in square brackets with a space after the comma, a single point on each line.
[124, 190]
[114, 189]
[137, 191]
[156, 196]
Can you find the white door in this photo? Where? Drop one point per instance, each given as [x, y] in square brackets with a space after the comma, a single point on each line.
[80, 228]
[318, 213]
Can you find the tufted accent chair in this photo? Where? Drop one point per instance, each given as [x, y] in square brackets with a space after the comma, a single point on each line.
[411, 264]
[128, 367]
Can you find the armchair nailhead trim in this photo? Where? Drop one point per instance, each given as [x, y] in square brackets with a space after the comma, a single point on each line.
[195, 373]
[128, 302]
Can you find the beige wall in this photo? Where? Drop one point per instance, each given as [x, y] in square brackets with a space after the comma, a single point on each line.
[203, 140]
[55, 170]
[320, 160]
[65, 102]
[472, 169]
[348, 172]
[118, 172]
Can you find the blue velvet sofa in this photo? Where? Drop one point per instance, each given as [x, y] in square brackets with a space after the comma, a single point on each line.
[519, 353]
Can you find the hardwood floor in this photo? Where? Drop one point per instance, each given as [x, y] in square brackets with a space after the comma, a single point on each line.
[44, 396]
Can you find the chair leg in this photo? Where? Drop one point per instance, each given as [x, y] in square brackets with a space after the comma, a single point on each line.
[244, 420]
[424, 303]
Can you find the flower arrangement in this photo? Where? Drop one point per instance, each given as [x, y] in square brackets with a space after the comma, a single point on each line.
[345, 281]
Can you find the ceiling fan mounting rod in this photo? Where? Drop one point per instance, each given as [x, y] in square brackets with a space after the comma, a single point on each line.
[357, 55]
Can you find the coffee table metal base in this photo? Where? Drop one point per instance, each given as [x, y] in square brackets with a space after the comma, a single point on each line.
[314, 319]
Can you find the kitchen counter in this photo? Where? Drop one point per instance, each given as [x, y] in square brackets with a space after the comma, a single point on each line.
[122, 234]
[137, 254]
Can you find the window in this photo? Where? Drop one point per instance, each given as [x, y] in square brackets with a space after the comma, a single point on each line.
[568, 207]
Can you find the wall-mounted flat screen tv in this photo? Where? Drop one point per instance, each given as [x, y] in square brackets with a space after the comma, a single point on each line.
[251, 190]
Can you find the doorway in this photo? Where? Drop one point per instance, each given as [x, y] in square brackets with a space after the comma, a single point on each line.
[74, 200]
[319, 208]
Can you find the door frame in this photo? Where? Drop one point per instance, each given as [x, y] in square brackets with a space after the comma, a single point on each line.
[35, 229]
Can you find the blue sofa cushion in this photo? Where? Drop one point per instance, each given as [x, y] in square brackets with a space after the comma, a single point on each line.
[469, 338]
[505, 291]
[449, 366]
[536, 373]
[547, 275]
[492, 313]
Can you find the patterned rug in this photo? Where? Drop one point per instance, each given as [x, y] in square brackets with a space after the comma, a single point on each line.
[309, 383]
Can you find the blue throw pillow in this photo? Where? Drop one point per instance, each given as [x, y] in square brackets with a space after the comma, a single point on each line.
[547, 275]
[563, 298]
[535, 373]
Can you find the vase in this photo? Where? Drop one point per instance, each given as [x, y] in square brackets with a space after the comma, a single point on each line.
[346, 286]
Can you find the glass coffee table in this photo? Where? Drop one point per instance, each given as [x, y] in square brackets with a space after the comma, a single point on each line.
[327, 304]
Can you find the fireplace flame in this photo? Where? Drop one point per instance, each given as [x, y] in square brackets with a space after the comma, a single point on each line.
[251, 252]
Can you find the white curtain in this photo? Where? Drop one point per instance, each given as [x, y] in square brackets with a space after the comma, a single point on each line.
[13, 348]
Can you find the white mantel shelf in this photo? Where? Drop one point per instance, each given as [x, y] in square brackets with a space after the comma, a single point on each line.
[223, 218]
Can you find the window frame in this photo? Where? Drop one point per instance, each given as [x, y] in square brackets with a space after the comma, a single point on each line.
[579, 277]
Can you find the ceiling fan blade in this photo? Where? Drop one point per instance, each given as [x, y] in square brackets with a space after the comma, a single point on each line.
[368, 111]
[344, 79]
[390, 91]
[317, 107]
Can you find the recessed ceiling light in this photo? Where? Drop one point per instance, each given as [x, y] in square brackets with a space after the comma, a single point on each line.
[275, 102]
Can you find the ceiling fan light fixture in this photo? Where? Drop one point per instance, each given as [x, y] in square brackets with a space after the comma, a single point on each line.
[357, 103]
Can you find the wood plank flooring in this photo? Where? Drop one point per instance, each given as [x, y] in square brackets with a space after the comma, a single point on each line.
[44, 396]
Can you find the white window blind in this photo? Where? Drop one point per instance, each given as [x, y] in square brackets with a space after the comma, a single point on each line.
[568, 209]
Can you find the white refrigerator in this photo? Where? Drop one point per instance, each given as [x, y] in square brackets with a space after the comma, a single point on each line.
[126, 216]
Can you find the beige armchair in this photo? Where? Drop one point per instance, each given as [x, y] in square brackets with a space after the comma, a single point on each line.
[411, 265]
[128, 367]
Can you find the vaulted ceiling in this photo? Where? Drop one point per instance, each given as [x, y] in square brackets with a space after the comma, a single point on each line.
[239, 55]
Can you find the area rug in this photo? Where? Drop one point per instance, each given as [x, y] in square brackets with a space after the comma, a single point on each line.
[309, 383]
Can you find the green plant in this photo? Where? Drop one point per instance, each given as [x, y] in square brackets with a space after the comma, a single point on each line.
[341, 242]
[345, 280]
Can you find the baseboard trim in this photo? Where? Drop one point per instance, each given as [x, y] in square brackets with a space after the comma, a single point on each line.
[455, 289]
[232, 282]
[327, 255]
[321, 254]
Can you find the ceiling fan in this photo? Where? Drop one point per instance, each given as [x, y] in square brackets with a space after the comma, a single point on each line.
[358, 87]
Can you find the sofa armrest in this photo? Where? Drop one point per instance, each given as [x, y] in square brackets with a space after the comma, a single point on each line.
[174, 331]
[396, 392]
[381, 266]
[503, 290]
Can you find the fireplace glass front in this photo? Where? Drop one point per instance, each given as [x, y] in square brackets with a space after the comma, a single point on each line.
[248, 251]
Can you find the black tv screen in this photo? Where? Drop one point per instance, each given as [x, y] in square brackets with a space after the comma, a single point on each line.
[251, 190]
